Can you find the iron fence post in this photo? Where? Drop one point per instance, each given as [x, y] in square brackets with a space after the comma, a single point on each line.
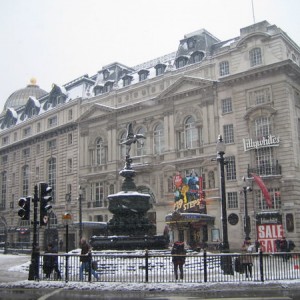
[146, 265]
[205, 265]
[261, 265]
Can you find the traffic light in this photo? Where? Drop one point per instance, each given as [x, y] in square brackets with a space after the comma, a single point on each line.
[24, 211]
[45, 197]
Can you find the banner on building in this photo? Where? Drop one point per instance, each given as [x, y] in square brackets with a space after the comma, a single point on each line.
[269, 229]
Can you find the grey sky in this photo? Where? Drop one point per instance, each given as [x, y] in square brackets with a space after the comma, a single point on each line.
[56, 41]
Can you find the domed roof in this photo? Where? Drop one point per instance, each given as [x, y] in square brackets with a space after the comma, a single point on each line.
[20, 97]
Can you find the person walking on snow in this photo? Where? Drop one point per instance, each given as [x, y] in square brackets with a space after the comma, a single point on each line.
[85, 260]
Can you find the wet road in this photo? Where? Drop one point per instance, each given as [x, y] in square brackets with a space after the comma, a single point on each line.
[54, 294]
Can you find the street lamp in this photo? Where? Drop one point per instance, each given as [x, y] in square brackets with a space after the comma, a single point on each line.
[220, 158]
[247, 226]
[80, 213]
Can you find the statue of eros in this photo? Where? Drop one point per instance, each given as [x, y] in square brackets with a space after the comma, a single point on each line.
[132, 138]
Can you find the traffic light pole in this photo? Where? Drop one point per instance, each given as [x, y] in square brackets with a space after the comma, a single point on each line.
[35, 255]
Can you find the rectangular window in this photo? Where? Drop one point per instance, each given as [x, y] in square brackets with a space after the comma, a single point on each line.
[70, 114]
[26, 131]
[51, 145]
[261, 202]
[255, 57]
[69, 189]
[70, 165]
[228, 134]
[70, 139]
[98, 194]
[232, 199]
[38, 149]
[4, 159]
[259, 96]
[230, 168]
[38, 127]
[5, 140]
[226, 106]
[52, 121]
[15, 136]
[224, 68]
[26, 153]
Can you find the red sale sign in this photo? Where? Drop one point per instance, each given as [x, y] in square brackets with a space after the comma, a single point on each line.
[267, 235]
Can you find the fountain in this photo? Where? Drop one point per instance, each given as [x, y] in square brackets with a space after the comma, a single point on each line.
[129, 227]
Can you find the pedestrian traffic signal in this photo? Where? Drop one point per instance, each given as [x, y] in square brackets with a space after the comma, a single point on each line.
[45, 198]
[24, 211]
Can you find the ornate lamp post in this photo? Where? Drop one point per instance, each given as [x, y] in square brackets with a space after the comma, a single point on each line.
[221, 160]
[80, 213]
[247, 227]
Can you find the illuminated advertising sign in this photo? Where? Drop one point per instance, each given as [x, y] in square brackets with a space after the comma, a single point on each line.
[189, 194]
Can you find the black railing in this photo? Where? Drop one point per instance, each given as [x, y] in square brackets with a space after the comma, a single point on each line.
[266, 169]
[158, 267]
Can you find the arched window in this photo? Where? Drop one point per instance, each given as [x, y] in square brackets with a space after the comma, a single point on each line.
[159, 142]
[255, 57]
[181, 61]
[52, 175]
[197, 57]
[100, 152]
[140, 146]
[262, 127]
[25, 179]
[190, 133]
[224, 68]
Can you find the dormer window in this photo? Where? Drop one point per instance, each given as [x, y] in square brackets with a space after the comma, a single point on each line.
[181, 61]
[108, 87]
[127, 80]
[105, 74]
[98, 89]
[191, 43]
[197, 56]
[143, 74]
[160, 69]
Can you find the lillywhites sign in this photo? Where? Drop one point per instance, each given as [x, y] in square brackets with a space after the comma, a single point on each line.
[269, 141]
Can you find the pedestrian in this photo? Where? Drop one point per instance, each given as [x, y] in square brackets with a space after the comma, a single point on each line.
[61, 243]
[50, 262]
[284, 248]
[178, 258]
[85, 258]
[246, 257]
[257, 245]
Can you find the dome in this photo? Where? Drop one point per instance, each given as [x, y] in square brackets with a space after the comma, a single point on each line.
[20, 97]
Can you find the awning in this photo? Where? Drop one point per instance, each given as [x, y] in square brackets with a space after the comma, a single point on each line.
[177, 217]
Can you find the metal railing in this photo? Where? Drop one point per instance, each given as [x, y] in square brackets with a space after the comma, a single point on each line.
[158, 267]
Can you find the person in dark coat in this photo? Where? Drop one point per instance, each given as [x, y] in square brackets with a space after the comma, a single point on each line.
[247, 258]
[51, 262]
[85, 259]
[284, 248]
[179, 259]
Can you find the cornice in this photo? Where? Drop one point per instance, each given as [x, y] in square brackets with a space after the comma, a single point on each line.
[287, 66]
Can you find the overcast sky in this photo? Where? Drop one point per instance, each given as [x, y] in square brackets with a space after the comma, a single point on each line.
[56, 41]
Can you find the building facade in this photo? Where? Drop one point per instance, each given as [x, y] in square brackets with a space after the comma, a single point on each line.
[246, 89]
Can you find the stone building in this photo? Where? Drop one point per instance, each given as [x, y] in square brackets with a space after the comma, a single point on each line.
[246, 89]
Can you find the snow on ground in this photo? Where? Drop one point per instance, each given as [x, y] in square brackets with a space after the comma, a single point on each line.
[11, 263]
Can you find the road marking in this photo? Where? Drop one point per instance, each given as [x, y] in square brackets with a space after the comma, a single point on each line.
[50, 294]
